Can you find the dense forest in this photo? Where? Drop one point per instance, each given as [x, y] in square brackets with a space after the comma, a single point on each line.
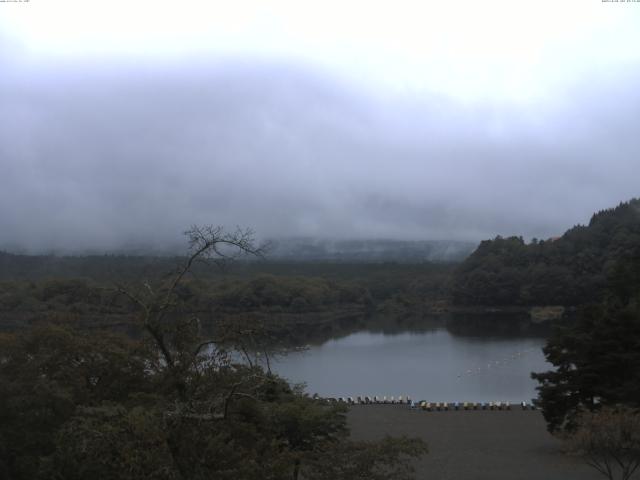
[292, 297]
[570, 270]
[596, 356]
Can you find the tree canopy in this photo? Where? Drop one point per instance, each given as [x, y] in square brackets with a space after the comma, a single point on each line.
[569, 270]
[597, 358]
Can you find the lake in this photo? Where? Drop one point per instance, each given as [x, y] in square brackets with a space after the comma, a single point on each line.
[436, 365]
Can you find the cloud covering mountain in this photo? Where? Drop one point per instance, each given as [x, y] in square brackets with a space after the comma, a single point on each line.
[100, 151]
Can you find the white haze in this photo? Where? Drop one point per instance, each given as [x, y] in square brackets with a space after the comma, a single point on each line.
[125, 122]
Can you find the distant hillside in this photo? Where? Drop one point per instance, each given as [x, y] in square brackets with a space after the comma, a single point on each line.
[281, 257]
[368, 251]
[98, 267]
[570, 270]
[383, 271]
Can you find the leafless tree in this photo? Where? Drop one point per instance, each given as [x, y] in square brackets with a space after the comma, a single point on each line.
[177, 337]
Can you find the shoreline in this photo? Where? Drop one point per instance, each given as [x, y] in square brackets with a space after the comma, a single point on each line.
[474, 444]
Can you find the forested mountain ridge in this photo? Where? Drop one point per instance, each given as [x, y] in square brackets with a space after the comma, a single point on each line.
[570, 270]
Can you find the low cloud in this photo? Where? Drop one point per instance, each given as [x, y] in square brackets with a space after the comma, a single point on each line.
[110, 155]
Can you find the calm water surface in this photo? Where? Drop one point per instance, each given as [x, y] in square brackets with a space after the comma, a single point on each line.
[434, 365]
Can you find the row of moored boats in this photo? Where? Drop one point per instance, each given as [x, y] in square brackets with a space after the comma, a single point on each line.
[430, 406]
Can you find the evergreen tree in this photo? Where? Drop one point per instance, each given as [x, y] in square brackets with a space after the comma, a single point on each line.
[596, 360]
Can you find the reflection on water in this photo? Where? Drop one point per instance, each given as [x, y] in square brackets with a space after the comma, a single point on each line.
[434, 365]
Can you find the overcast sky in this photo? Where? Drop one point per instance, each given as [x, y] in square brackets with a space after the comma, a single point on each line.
[124, 122]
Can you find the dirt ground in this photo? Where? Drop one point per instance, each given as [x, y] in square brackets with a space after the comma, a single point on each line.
[474, 445]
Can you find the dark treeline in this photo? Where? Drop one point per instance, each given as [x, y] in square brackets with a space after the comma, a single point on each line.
[122, 267]
[596, 356]
[86, 289]
[382, 279]
[573, 269]
[596, 352]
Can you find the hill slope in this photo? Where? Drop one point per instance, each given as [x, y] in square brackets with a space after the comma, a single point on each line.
[569, 270]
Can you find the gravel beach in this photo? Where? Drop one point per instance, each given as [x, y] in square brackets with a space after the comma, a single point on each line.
[474, 445]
